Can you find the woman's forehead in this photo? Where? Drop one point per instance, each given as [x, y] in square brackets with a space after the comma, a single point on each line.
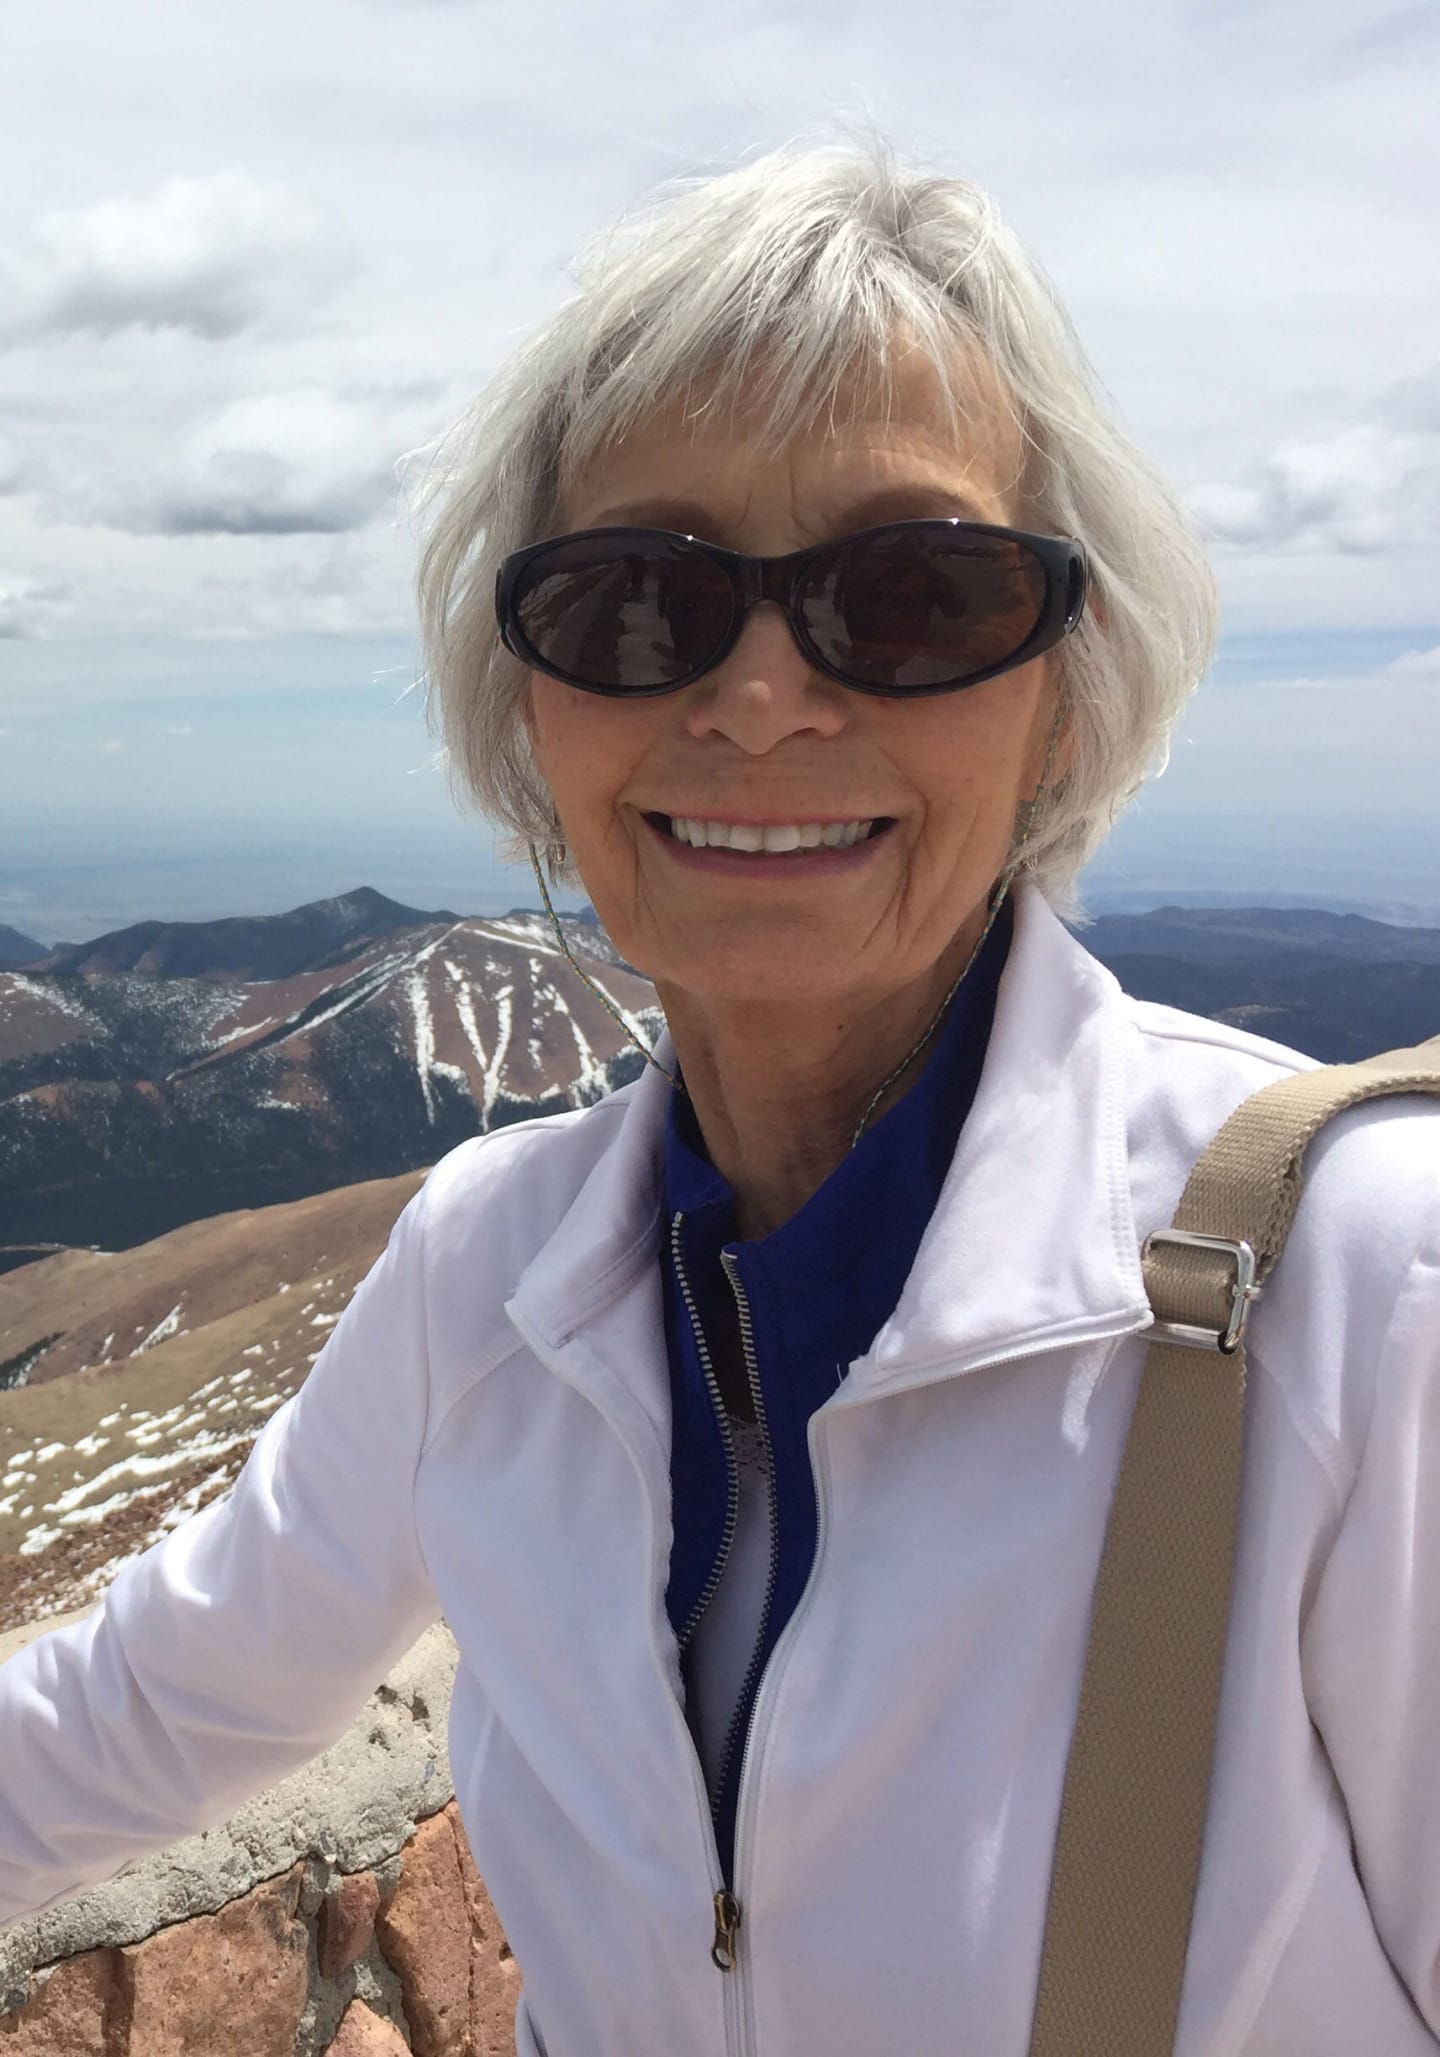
[905, 431]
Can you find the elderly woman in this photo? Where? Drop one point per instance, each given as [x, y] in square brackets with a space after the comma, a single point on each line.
[755, 1428]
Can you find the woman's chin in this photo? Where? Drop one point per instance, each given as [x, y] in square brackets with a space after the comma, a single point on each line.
[762, 979]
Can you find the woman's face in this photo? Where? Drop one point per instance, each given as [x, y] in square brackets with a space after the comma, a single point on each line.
[766, 739]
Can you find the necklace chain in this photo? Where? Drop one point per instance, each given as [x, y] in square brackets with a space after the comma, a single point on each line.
[997, 900]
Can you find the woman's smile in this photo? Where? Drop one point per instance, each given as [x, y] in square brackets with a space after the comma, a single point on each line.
[771, 850]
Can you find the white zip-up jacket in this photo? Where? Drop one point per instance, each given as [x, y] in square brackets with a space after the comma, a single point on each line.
[485, 1435]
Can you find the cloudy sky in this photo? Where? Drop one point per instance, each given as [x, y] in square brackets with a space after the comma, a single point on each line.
[250, 256]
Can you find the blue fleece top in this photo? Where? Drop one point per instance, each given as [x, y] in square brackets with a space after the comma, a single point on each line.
[819, 1288]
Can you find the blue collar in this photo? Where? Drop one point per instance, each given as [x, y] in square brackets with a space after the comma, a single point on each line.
[898, 1165]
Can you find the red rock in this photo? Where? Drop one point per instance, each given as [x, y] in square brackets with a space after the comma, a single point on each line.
[347, 1923]
[78, 2012]
[363, 2033]
[221, 1984]
[424, 1931]
[494, 1974]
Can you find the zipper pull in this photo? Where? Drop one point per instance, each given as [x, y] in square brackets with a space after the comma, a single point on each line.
[727, 1921]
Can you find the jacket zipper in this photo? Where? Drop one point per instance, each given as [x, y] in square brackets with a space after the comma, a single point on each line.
[732, 1473]
[739, 1720]
[821, 1475]
[724, 1906]
[728, 1910]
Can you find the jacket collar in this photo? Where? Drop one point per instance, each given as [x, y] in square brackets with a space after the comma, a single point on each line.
[1032, 1243]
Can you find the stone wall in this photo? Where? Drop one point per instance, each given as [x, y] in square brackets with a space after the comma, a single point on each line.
[337, 1913]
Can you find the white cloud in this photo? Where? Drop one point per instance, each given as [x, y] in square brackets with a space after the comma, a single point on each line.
[310, 461]
[213, 255]
[111, 745]
[323, 585]
[1359, 490]
[179, 728]
[1416, 664]
[29, 606]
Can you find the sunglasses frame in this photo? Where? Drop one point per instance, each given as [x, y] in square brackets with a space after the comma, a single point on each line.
[753, 579]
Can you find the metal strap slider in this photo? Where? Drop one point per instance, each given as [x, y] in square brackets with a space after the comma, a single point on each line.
[1244, 1291]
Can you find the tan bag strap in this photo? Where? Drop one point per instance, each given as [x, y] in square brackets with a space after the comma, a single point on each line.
[1127, 1856]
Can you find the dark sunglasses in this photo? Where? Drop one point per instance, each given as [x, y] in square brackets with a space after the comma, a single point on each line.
[911, 607]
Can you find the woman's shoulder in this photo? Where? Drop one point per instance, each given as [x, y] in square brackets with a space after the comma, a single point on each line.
[1361, 1266]
[501, 1195]
[462, 1245]
[1372, 1173]
[1189, 1073]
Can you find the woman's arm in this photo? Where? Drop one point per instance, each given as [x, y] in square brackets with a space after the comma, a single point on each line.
[246, 1641]
[1371, 1648]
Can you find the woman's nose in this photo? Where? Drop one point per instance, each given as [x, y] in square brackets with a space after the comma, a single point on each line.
[765, 690]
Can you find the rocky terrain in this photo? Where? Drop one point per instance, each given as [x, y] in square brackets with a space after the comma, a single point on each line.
[172, 1071]
[134, 1382]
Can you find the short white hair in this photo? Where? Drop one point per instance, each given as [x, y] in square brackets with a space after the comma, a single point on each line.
[762, 288]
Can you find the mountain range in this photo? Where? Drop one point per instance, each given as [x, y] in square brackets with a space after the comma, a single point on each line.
[1337, 986]
[16, 948]
[175, 1070]
[262, 946]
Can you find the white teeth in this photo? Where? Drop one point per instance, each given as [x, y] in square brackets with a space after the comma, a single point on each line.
[782, 838]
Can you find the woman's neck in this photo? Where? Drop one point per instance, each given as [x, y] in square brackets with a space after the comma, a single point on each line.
[779, 1089]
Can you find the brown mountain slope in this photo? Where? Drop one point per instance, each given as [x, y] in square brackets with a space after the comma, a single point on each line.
[133, 1102]
[162, 1365]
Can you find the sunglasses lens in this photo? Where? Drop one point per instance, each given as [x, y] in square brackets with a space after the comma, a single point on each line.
[624, 616]
[922, 606]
